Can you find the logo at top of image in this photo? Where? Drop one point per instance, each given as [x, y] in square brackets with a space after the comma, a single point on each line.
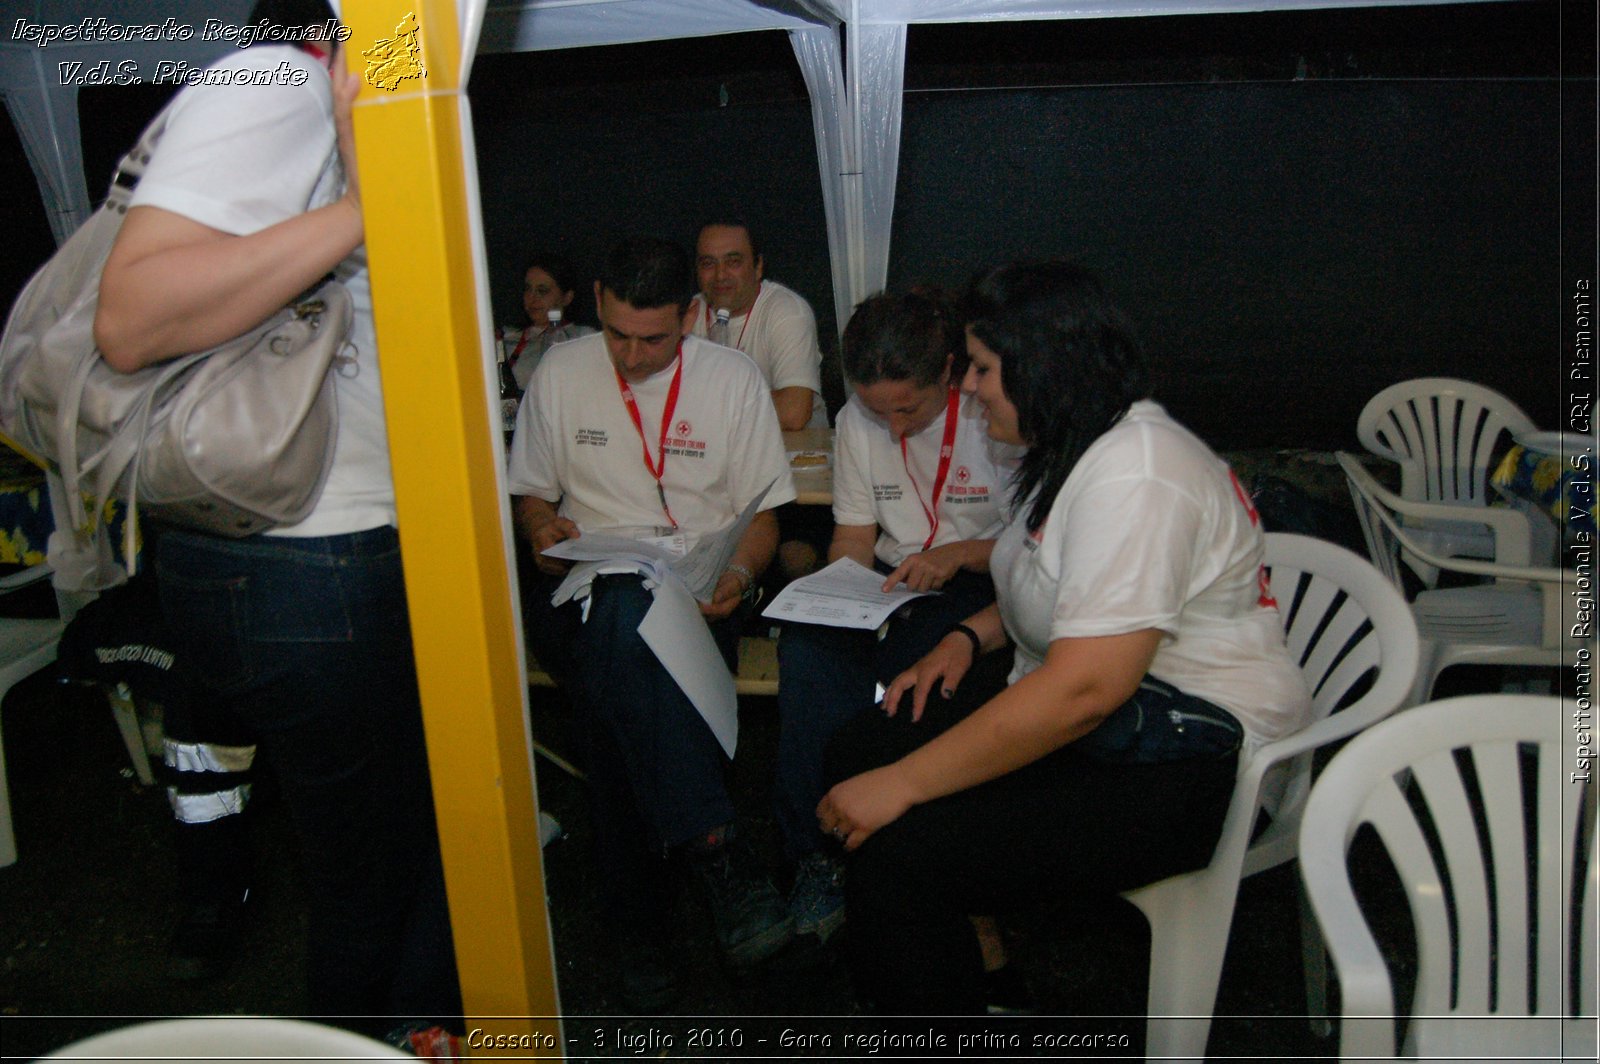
[683, 428]
[395, 59]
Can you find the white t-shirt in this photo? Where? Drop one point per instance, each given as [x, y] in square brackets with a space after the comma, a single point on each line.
[524, 346]
[873, 486]
[1152, 530]
[240, 158]
[779, 332]
[576, 443]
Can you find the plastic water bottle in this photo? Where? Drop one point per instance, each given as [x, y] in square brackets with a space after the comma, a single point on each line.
[719, 328]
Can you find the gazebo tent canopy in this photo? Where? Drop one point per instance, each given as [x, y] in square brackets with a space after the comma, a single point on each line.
[851, 54]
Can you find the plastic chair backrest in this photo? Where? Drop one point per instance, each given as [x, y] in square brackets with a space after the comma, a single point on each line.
[1350, 631]
[239, 1039]
[1380, 512]
[1471, 799]
[1383, 547]
[1442, 433]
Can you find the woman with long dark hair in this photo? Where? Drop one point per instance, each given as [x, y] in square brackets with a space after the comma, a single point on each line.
[1147, 651]
[550, 285]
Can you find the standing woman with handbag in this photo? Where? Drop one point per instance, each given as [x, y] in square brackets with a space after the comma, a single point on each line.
[251, 199]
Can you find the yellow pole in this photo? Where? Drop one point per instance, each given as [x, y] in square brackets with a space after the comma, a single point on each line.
[454, 523]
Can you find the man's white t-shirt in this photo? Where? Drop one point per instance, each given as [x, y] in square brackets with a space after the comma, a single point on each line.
[874, 484]
[575, 442]
[1152, 530]
[242, 157]
[778, 332]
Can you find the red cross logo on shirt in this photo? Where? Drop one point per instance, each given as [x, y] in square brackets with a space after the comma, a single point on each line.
[683, 428]
[962, 474]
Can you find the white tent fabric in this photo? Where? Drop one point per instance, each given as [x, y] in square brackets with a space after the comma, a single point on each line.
[850, 52]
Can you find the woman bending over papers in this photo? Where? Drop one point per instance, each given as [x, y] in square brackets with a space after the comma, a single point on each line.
[917, 494]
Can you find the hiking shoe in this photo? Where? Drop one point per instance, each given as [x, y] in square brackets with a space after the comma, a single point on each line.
[649, 978]
[206, 939]
[817, 901]
[751, 921]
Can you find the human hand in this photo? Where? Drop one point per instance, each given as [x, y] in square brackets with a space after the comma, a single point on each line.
[857, 808]
[548, 535]
[725, 598]
[927, 571]
[944, 665]
[346, 87]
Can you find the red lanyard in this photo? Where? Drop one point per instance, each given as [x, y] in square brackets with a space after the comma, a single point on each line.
[659, 466]
[511, 359]
[946, 450]
[747, 316]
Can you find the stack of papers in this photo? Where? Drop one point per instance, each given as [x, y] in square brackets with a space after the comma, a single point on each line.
[845, 595]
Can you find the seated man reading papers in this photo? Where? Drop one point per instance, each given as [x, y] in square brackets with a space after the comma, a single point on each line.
[649, 434]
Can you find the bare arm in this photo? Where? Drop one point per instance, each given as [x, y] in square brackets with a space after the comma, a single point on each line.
[945, 663]
[932, 569]
[754, 553]
[855, 542]
[1080, 683]
[793, 406]
[540, 524]
[173, 285]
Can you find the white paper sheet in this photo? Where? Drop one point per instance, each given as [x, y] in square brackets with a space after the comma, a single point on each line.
[698, 570]
[673, 627]
[845, 595]
[675, 630]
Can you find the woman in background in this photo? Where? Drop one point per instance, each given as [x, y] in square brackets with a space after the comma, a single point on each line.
[549, 286]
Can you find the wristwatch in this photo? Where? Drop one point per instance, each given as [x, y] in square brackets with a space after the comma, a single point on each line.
[748, 578]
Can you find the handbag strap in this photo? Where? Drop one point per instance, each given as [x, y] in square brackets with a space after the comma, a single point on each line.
[123, 448]
[131, 167]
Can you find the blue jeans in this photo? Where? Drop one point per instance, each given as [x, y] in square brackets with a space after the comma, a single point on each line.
[656, 771]
[308, 643]
[827, 678]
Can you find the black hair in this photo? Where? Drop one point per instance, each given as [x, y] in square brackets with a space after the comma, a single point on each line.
[904, 338]
[646, 272]
[732, 221]
[291, 14]
[562, 270]
[1070, 364]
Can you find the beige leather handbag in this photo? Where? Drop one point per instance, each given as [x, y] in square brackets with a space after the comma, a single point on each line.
[232, 441]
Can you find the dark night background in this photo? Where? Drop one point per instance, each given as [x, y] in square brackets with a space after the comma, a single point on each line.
[1297, 208]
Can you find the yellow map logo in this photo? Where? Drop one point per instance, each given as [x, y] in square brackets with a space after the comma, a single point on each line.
[394, 59]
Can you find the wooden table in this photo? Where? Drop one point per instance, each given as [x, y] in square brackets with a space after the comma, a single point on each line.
[813, 484]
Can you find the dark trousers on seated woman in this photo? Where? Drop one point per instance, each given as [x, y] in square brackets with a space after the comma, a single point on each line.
[828, 677]
[1066, 826]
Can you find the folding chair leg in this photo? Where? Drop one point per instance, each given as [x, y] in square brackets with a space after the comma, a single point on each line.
[127, 717]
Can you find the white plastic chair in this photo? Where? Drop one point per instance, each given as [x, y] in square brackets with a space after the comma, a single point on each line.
[1491, 893]
[1442, 433]
[1345, 624]
[1515, 620]
[236, 1039]
[26, 646]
